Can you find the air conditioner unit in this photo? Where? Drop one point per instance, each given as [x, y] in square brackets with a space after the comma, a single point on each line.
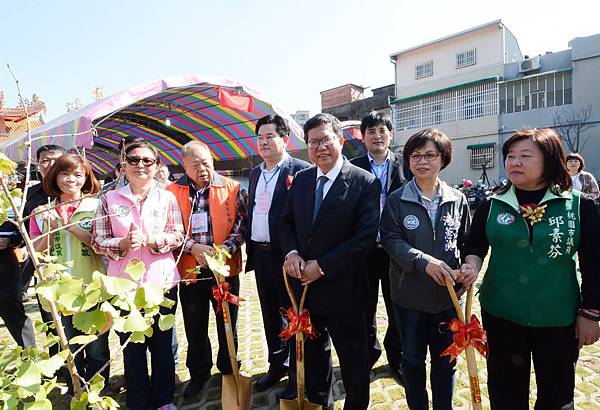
[530, 64]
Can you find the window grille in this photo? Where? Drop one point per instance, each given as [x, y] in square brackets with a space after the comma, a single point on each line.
[466, 103]
[481, 157]
[466, 58]
[540, 91]
[424, 70]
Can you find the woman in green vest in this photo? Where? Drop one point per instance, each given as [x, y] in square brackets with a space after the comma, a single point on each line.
[532, 304]
[70, 180]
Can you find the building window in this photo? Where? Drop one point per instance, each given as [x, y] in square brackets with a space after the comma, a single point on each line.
[540, 91]
[482, 155]
[466, 58]
[424, 70]
[458, 104]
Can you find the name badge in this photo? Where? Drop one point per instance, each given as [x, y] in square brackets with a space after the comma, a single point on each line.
[199, 222]
[261, 203]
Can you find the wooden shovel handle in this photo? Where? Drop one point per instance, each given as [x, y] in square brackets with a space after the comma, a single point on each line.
[230, 342]
[297, 308]
[470, 351]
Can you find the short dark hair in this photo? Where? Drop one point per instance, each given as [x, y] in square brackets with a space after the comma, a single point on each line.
[69, 162]
[373, 119]
[143, 144]
[576, 156]
[130, 139]
[548, 141]
[281, 125]
[322, 119]
[49, 148]
[439, 139]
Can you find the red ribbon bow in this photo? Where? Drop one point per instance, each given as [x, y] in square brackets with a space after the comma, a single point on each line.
[298, 323]
[221, 293]
[469, 334]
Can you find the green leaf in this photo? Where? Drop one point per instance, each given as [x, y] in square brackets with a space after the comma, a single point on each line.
[135, 322]
[28, 375]
[135, 269]
[10, 356]
[43, 404]
[148, 295]
[82, 339]
[40, 326]
[79, 404]
[110, 310]
[94, 321]
[49, 366]
[48, 289]
[218, 264]
[7, 166]
[137, 337]
[50, 341]
[166, 322]
[16, 193]
[117, 286]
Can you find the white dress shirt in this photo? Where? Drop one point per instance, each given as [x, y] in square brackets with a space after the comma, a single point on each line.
[264, 187]
[331, 175]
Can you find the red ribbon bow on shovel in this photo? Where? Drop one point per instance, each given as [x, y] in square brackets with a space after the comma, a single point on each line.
[464, 335]
[298, 323]
[221, 292]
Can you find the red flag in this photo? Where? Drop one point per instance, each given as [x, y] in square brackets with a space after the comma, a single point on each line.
[235, 101]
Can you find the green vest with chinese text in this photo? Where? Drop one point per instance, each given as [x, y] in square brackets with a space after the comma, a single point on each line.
[532, 283]
[68, 248]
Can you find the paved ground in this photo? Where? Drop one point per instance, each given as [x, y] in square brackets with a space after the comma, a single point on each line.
[385, 392]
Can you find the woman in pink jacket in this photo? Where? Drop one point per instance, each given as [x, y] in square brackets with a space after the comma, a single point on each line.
[142, 221]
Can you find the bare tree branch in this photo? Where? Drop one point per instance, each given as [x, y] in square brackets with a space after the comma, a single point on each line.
[572, 125]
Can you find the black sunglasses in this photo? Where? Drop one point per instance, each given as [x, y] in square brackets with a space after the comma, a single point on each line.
[136, 160]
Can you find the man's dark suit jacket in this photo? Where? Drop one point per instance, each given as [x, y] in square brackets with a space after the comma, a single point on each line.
[288, 169]
[345, 229]
[395, 170]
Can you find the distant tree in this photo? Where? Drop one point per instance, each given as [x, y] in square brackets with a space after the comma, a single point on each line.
[572, 125]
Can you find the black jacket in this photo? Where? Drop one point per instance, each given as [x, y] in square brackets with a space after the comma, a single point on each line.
[345, 228]
[395, 171]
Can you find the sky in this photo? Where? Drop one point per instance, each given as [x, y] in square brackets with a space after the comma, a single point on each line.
[62, 50]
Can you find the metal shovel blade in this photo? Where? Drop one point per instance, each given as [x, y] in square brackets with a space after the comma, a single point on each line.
[298, 405]
[231, 398]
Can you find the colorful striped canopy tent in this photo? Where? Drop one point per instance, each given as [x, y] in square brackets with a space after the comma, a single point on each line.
[167, 113]
[353, 144]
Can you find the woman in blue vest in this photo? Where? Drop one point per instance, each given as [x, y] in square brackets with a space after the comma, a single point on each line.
[532, 304]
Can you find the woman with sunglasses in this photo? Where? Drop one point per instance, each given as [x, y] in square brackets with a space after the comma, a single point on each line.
[70, 180]
[142, 221]
[423, 228]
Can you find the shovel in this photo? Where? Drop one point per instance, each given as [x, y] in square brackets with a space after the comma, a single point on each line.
[300, 403]
[236, 390]
[470, 350]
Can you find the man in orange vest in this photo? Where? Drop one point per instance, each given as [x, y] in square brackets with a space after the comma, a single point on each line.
[214, 212]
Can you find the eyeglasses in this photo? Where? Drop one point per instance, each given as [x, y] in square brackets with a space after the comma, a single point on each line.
[136, 160]
[315, 144]
[429, 156]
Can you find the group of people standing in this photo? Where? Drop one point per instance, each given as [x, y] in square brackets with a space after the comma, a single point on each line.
[340, 228]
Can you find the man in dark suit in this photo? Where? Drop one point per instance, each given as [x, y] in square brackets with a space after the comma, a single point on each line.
[328, 225]
[268, 187]
[376, 130]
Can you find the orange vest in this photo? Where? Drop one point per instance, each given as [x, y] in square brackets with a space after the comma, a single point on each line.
[222, 202]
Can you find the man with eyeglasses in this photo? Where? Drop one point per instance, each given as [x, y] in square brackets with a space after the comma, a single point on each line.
[328, 225]
[268, 187]
[376, 131]
[214, 213]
